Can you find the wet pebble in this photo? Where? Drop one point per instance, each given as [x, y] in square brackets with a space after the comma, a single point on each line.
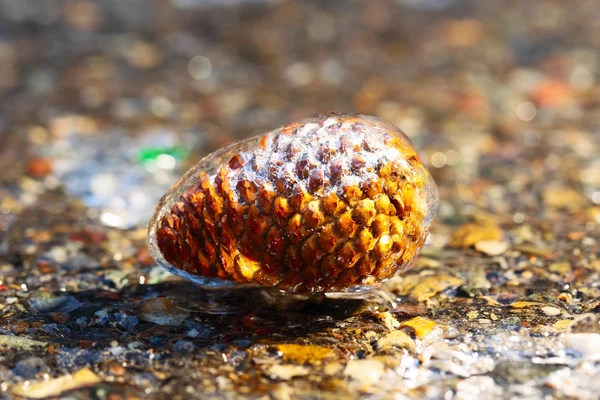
[163, 311]
[397, 339]
[198, 331]
[491, 247]
[30, 367]
[286, 372]
[367, 372]
[116, 317]
[58, 331]
[80, 262]
[46, 303]
[510, 323]
[588, 344]
[551, 311]
[514, 372]
[184, 346]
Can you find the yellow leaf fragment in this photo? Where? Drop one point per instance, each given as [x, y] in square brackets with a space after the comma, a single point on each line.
[54, 387]
[421, 326]
[524, 304]
[469, 234]
[490, 301]
[563, 324]
[432, 285]
[302, 354]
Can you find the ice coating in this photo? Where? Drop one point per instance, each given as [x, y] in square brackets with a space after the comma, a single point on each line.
[333, 203]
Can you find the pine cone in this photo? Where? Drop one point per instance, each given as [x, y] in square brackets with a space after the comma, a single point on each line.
[333, 203]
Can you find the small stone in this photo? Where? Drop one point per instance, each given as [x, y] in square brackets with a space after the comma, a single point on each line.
[281, 391]
[286, 372]
[193, 333]
[395, 339]
[588, 344]
[116, 350]
[388, 320]
[520, 372]
[551, 311]
[586, 323]
[473, 386]
[58, 254]
[45, 302]
[162, 311]
[60, 317]
[56, 330]
[39, 167]
[30, 367]
[333, 368]
[116, 369]
[491, 247]
[510, 323]
[184, 346]
[368, 372]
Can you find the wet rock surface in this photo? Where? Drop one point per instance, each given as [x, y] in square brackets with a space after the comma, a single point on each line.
[105, 104]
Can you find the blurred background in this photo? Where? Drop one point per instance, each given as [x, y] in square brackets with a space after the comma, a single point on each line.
[105, 103]
[111, 100]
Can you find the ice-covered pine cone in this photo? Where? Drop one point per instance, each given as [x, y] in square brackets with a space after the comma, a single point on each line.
[332, 203]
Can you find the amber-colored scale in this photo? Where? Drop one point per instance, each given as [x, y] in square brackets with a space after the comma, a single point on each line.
[306, 228]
